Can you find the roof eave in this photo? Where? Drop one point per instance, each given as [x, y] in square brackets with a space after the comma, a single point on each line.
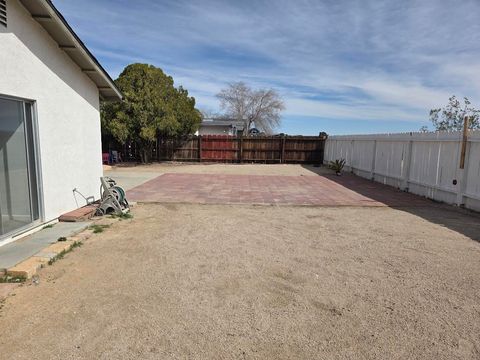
[46, 14]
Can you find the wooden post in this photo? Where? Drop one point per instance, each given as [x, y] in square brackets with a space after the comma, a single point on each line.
[240, 149]
[323, 140]
[462, 174]
[282, 150]
[464, 142]
[199, 138]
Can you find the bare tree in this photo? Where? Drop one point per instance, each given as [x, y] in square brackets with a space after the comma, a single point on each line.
[260, 108]
[208, 113]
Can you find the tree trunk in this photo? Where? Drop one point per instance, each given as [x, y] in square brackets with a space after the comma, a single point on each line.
[143, 150]
[247, 125]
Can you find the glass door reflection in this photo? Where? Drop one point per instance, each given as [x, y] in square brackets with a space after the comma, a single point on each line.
[16, 174]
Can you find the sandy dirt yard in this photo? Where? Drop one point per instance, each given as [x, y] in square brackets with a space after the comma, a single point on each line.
[224, 169]
[258, 282]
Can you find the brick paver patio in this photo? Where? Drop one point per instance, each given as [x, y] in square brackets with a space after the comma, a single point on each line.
[347, 190]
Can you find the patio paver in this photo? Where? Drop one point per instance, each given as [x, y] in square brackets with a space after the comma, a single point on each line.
[347, 190]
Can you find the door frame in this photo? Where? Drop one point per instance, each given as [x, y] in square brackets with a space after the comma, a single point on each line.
[35, 148]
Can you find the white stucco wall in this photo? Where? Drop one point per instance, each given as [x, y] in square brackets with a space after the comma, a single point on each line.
[67, 104]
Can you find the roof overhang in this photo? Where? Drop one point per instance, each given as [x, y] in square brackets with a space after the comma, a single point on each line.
[207, 124]
[222, 122]
[45, 13]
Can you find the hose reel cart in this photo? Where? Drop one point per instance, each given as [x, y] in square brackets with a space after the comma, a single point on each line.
[113, 199]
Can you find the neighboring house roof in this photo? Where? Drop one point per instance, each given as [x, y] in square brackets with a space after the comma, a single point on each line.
[45, 13]
[213, 122]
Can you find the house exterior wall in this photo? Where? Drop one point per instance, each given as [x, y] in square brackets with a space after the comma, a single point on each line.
[67, 110]
[215, 130]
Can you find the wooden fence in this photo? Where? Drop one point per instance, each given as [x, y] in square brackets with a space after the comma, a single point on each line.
[222, 148]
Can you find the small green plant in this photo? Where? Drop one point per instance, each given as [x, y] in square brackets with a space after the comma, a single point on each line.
[61, 254]
[122, 216]
[337, 166]
[62, 238]
[12, 279]
[49, 226]
[98, 228]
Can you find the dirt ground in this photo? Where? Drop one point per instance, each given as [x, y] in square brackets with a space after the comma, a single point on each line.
[224, 169]
[258, 282]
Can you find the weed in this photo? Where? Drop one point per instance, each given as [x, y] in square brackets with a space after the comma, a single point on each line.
[49, 226]
[61, 254]
[12, 279]
[98, 228]
[337, 165]
[122, 216]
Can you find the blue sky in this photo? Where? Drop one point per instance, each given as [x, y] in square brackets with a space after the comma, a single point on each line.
[341, 66]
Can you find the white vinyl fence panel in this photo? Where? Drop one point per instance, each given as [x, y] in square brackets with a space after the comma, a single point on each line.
[426, 164]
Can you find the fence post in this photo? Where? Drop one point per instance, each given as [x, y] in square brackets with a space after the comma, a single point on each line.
[464, 159]
[352, 143]
[464, 142]
[199, 139]
[240, 149]
[374, 160]
[463, 178]
[282, 149]
[408, 161]
[322, 149]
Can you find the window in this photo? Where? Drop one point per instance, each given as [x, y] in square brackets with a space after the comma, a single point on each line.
[3, 13]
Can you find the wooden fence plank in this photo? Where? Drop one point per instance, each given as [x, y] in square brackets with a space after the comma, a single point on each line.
[222, 148]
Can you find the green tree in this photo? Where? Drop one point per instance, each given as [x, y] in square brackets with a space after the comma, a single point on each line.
[451, 117]
[152, 106]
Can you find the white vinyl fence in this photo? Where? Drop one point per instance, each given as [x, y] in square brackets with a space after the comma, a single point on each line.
[426, 164]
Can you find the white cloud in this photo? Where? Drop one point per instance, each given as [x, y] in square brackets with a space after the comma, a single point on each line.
[386, 60]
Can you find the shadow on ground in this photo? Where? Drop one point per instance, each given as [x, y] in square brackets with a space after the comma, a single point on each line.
[463, 221]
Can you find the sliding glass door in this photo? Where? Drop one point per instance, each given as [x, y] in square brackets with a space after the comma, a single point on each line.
[18, 182]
